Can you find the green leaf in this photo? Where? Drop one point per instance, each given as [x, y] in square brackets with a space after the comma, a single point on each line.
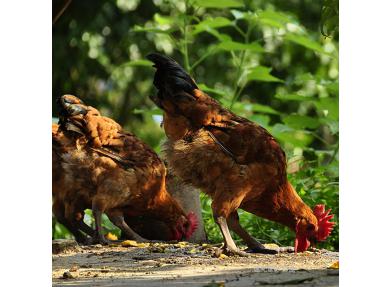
[288, 135]
[262, 120]
[138, 28]
[302, 78]
[218, 3]
[301, 122]
[220, 36]
[237, 14]
[153, 111]
[262, 109]
[237, 46]
[333, 88]
[274, 19]
[206, 89]
[280, 128]
[292, 97]
[163, 20]
[329, 23]
[262, 74]
[329, 107]
[144, 63]
[305, 42]
[208, 23]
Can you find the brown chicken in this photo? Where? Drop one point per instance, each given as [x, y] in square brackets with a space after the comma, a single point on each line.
[235, 161]
[65, 200]
[97, 165]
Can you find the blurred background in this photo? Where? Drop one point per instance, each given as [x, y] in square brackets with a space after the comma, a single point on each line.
[274, 62]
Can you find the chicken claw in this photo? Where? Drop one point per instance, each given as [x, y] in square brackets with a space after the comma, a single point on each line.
[98, 239]
[229, 248]
[232, 252]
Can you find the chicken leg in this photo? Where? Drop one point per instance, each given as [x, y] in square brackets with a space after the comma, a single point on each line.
[98, 236]
[222, 206]
[59, 212]
[118, 220]
[234, 224]
[79, 236]
[229, 247]
[85, 228]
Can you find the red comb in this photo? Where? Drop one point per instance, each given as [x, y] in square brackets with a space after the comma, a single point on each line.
[324, 225]
[193, 223]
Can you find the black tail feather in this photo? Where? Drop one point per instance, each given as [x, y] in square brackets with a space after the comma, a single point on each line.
[70, 106]
[170, 77]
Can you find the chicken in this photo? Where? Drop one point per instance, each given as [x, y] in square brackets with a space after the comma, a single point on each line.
[147, 227]
[65, 198]
[97, 165]
[236, 162]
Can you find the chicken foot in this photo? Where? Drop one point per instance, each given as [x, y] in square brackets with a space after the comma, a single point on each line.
[254, 246]
[229, 247]
[85, 228]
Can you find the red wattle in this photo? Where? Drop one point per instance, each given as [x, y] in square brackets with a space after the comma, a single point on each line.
[193, 223]
[301, 244]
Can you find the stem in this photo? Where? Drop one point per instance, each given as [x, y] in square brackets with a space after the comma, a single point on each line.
[202, 59]
[238, 90]
[58, 15]
[239, 31]
[234, 58]
[334, 154]
[320, 138]
[237, 78]
[185, 48]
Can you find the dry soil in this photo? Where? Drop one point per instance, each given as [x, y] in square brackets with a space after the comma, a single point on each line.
[186, 264]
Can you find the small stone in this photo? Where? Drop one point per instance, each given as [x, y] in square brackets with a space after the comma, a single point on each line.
[67, 275]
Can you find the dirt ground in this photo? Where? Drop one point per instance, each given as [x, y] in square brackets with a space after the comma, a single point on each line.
[186, 264]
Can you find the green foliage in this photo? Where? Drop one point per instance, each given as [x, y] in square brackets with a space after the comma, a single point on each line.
[218, 3]
[266, 60]
[329, 25]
